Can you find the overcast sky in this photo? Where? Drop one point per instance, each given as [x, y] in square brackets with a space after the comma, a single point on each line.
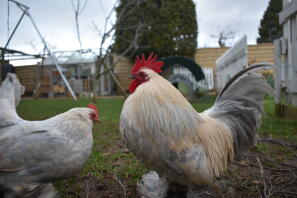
[55, 20]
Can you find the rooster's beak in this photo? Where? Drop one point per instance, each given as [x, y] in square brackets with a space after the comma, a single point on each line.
[131, 76]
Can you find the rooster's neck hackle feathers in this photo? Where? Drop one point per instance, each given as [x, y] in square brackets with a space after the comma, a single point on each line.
[162, 90]
[149, 63]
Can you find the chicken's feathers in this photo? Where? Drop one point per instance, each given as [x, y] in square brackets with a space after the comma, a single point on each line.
[152, 186]
[7, 123]
[240, 105]
[41, 151]
[40, 155]
[162, 128]
[10, 95]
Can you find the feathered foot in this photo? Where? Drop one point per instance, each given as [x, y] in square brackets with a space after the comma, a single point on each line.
[152, 186]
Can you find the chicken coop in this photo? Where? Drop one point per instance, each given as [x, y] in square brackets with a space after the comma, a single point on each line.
[44, 80]
[77, 67]
[183, 73]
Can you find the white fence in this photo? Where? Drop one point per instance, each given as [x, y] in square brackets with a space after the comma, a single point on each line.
[207, 83]
[285, 55]
[231, 62]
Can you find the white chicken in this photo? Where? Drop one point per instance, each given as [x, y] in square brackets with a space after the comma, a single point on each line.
[163, 129]
[35, 153]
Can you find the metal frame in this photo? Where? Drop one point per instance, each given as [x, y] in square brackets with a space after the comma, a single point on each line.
[25, 10]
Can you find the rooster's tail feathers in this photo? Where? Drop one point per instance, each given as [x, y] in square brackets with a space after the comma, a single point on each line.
[240, 104]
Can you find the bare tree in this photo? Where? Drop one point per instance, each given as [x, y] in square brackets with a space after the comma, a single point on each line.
[226, 33]
[78, 8]
[107, 39]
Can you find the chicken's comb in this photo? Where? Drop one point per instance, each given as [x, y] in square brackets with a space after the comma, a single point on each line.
[149, 63]
[92, 106]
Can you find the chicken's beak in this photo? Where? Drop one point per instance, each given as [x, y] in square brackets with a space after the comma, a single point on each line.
[131, 76]
[97, 121]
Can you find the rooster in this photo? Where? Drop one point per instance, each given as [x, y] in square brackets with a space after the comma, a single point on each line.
[35, 153]
[183, 146]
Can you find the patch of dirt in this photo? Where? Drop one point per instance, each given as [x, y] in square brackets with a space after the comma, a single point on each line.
[110, 187]
[269, 173]
[115, 147]
[89, 186]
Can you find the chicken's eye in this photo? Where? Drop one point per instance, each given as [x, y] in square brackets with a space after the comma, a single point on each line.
[92, 116]
[142, 76]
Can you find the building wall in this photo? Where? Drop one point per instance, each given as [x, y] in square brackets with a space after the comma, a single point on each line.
[122, 70]
[261, 53]
[28, 76]
[206, 57]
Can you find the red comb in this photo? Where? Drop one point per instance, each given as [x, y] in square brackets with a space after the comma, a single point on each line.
[149, 63]
[92, 106]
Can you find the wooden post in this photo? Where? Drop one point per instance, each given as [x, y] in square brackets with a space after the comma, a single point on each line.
[51, 94]
[277, 77]
[1, 65]
[116, 81]
[288, 19]
[100, 63]
[93, 88]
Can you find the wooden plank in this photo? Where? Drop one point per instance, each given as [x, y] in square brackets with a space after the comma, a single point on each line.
[206, 57]
[277, 75]
[289, 112]
[232, 61]
[28, 76]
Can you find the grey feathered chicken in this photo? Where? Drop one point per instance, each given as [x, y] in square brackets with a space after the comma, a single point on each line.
[163, 129]
[35, 153]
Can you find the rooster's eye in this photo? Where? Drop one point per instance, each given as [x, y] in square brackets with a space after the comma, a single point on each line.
[142, 74]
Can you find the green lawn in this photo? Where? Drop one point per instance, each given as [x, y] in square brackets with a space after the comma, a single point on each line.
[112, 171]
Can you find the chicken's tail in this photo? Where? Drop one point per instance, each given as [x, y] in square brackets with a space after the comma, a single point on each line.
[240, 105]
[11, 89]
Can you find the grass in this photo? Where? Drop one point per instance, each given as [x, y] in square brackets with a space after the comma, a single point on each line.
[109, 168]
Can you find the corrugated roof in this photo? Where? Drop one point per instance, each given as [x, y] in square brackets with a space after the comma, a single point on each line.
[72, 57]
